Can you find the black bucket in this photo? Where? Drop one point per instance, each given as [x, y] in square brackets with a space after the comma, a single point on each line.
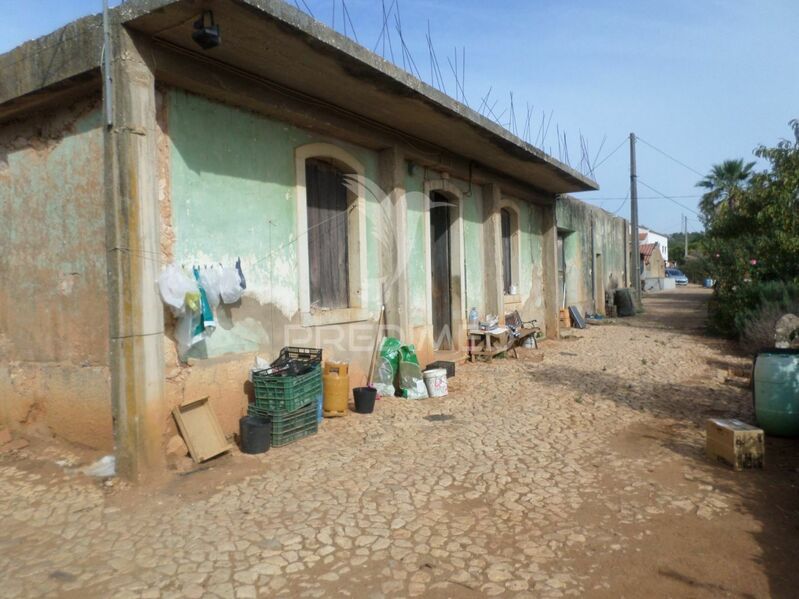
[364, 399]
[255, 434]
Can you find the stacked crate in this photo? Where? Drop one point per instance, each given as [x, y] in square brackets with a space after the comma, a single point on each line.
[288, 394]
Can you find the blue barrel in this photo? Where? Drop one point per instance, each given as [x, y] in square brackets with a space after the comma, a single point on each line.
[776, 391]
[709, 283]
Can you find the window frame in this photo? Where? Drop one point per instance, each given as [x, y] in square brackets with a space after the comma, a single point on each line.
[356, 237]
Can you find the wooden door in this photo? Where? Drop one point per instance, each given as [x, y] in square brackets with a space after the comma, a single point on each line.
[507, 251]
[327, 235]
[440, 263]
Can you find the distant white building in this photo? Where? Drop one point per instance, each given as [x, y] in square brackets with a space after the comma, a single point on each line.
[646, 236]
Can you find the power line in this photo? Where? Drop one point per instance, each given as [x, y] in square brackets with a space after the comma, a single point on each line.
[615, 198]
[623, 202]
[670, 157]
[663, 195]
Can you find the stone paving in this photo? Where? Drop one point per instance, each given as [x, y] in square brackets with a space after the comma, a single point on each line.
[502, 499]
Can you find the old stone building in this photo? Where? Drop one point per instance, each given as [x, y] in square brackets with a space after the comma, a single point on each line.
[339, 181]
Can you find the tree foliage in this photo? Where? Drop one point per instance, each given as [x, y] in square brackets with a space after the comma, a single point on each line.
[752, 229]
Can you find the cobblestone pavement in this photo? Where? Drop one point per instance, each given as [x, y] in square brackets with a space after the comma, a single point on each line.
[550, 479]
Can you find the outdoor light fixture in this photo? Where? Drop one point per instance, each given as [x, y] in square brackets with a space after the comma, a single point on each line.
[206, 36]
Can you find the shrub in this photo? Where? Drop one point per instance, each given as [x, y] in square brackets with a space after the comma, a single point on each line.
[759, 326]
[750, 311]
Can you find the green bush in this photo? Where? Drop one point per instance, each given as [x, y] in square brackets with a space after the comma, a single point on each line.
[746, 311]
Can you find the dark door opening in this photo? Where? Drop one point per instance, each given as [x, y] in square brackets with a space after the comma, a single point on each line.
[440, 250]
[507, 252]
[561, 258]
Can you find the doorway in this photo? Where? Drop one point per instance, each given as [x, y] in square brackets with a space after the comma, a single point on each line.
[561, 258]
[441, 271]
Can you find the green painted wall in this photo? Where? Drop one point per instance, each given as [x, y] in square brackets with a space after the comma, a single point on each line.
[232, 177]
[589, 231]
[472, 242]
[417, 281]
[473, 245]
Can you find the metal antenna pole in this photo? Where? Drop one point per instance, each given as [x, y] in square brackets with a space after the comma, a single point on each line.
[634, 221]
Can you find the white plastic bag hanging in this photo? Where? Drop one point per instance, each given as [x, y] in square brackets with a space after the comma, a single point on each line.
[209, 279]
[174, 285]
[230, 285]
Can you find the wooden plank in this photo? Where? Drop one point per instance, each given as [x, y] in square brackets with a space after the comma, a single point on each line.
[200, 429]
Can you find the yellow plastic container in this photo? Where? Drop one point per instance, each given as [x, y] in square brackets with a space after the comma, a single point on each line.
[336, 381]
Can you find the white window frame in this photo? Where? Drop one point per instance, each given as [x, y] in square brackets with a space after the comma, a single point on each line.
[356, 238]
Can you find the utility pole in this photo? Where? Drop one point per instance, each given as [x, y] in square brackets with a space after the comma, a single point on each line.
[636, 245]
[685, 234]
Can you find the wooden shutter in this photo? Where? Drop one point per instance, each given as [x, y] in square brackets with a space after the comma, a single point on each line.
[507, 271]
[327, 235]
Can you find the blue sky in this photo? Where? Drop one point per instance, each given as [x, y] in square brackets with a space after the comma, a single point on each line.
[701, 80]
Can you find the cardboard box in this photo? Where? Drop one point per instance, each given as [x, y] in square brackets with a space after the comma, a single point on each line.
[739, 444]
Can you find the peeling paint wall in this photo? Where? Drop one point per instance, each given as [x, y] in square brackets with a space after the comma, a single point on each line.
[592, 238]
[231, 193]
[531, 225]
[53, 300]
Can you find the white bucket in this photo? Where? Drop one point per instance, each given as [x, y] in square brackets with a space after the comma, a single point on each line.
[436, 382]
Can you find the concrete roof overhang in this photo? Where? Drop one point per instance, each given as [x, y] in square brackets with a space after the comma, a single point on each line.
[278, 43]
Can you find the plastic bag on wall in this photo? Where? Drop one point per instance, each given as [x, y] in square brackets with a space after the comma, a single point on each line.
[230, 285]
[174, 285]
[210, 277]
[184, 333]
[412, 381]
[384, 377]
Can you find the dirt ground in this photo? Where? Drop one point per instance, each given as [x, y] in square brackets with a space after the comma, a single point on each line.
[580, 475]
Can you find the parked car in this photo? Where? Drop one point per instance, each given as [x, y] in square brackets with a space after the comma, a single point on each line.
[677, 275]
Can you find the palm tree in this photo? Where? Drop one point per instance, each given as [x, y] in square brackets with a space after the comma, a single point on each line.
[724, 181]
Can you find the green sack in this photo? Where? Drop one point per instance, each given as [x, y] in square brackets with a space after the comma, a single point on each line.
[408, 354]
[390, 350]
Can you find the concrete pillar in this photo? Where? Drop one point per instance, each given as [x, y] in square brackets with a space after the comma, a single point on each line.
[549, 230]
[394, 241]
[133, 234]
[492, 250]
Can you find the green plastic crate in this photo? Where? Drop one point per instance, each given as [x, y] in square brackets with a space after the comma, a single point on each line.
[277, 391]
[284, 438]
[287, 421]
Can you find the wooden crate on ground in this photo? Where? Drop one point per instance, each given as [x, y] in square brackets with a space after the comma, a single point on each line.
[739, 444]
[200, 429]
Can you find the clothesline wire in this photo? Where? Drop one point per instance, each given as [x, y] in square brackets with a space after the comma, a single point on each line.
[155, 256]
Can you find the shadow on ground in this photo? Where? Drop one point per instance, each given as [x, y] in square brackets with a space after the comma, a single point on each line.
[770, 496]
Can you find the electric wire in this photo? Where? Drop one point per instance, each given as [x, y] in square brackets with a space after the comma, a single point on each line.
[670, 157]
[663, 195]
